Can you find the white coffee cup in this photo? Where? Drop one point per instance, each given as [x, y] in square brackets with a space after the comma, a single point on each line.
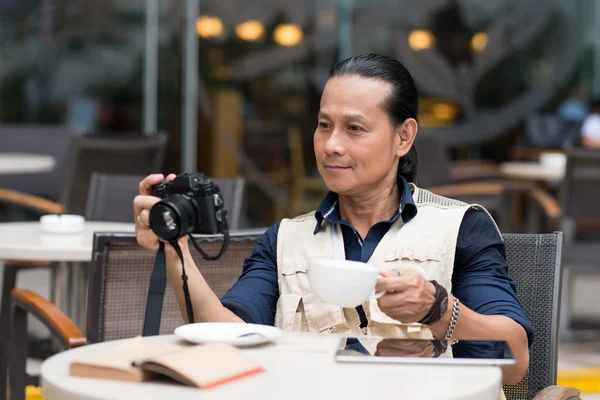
[342, 282]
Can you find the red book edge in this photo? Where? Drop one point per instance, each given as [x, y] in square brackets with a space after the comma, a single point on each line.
[233, 378]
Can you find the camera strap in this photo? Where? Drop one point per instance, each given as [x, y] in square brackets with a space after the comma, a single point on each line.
[158, 283]
[156, 293]
[184, 279]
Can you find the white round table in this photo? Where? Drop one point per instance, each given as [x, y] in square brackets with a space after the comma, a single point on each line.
[298, 366]
[533, 171]
[21, 163]
[27, 241]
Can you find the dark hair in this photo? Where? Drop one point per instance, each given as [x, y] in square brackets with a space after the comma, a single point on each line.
[401, 103]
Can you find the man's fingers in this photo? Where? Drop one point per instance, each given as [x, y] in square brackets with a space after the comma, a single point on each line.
[151, 180]
[392, 300]
[143, 203]
[393, 283]
[144, 218]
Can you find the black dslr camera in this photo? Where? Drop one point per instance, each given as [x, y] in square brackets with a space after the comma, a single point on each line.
[191, 203]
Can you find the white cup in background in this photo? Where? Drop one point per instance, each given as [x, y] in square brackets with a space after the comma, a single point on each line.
[63, 223]
[553, 160]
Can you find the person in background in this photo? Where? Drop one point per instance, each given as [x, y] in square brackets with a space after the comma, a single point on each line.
[574, 108]
[590, 131]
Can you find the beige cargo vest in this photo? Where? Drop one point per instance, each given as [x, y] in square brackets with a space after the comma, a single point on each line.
[426, 244]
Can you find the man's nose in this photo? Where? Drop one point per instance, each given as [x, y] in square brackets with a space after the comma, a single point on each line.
[334, 143]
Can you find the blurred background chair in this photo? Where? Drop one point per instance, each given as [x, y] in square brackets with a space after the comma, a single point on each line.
[547, 131]
[110, 197]
[119, 155]
[474, 182]
[37, 139]
[436, 167]
[117, 296]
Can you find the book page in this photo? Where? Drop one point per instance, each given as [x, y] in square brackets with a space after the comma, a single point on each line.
[209, 365]
[120, 357]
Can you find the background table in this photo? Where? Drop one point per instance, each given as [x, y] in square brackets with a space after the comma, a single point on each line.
[298, 366]
[21, 163]
[532, 171]
[27, 241]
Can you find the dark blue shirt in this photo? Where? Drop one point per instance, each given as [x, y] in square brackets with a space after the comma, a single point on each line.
[480, 279]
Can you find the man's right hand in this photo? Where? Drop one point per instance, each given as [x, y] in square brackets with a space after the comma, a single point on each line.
[141, 211]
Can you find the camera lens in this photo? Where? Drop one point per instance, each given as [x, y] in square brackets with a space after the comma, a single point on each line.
[173, 217]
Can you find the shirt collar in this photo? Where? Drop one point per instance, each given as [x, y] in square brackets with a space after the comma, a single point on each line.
[328, 209]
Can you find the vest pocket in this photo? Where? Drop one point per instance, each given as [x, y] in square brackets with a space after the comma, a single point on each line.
[427, 262]
[294, 279]
[286, 317]
[321, 316]
[306, 314]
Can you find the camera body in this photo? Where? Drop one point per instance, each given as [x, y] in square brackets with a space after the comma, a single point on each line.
[191, 203]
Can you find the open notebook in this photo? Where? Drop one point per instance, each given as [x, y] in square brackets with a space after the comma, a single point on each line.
[204, 366]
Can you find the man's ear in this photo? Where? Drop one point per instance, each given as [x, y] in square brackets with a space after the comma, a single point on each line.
[407, 132]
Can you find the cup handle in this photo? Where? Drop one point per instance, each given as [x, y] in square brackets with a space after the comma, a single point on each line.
[376, 295]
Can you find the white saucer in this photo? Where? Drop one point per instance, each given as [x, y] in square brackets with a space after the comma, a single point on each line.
[228, 332]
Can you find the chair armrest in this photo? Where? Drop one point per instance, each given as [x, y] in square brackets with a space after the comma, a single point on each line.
[51, 316]
[473, 170]
[468, 189]
[558, 393]
[31, 201]
[548, 204]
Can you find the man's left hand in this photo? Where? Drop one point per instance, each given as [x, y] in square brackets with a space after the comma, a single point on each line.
[409, 296]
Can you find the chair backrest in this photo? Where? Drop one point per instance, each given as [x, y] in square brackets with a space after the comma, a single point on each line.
[580, 191]
[114, 155]
[551, 131]
[434, 161]
[232, 190]
[110, 197]
[534, 263]
[120, 279]
[37, 139]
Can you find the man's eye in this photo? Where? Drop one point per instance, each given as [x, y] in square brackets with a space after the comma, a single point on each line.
[324, 125]
[354, 128]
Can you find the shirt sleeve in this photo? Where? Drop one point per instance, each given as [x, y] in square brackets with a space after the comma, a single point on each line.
[481, 281]
[254, 296]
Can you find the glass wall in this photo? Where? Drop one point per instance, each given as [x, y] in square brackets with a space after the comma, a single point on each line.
[481, 67]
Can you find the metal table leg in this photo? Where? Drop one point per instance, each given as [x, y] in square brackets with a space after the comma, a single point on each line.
[61, 286]
[79, 294]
